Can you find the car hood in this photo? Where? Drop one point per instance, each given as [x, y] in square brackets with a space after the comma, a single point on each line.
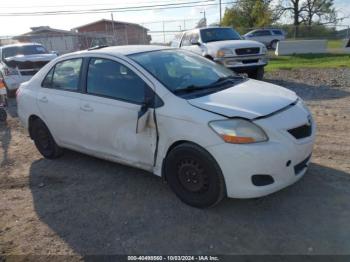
[31, 58]
[233, 44]
[249, 99]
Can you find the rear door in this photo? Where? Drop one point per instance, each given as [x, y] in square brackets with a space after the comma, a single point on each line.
[109, 109]
[58, 100]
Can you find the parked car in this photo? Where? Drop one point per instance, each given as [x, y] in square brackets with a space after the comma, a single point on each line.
[225, 46]
[269, 37]
[209, 132]
[19, 62]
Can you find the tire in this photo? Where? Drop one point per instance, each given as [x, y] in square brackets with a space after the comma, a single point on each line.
[194, 176]
[273, 44]
[44, 141]
[3, 115]
[257, 74]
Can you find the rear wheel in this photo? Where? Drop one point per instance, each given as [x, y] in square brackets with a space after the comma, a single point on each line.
[44, 141]
[257, 74]
[194, 176]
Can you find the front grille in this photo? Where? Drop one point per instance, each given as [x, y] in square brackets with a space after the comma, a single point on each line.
[29, 72]
[250, 61]
[248, 51]
[30, 65]
[301, 131]
[300, 167]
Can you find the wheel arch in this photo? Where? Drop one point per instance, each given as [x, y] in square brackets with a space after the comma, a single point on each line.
[177, 143]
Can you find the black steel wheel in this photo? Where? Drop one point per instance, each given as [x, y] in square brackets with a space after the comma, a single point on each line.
[194, 176]
[44, 141]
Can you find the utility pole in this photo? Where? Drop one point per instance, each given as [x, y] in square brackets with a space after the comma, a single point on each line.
[163, 33]
[114, 37]
[204, 17]
[220, 11]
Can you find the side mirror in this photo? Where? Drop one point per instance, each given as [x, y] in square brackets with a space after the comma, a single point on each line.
[195, 42]
[144, 112]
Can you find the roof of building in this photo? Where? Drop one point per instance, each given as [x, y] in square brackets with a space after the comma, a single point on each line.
[41, 29]
[109, 21]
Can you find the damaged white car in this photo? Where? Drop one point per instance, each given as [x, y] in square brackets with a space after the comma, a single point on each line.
[209, 132]
[19, 62]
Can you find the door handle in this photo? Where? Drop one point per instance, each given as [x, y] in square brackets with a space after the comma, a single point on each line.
[86, 108]
[43, 99]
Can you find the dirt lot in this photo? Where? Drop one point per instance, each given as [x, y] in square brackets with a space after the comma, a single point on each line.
[82, 205]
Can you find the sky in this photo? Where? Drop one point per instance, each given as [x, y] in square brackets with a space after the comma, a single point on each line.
[185, 17]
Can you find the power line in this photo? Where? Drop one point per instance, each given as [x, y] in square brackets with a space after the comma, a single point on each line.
[123, 9]
[116, 9]
[81, 5]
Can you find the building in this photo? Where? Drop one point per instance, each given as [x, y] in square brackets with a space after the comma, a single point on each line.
[61, 41]
[116, 32]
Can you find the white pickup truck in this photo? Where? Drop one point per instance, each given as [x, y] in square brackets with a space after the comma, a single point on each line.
[225, 46]
[19, 62]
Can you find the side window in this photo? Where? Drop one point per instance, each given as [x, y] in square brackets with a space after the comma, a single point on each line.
[277, 32]
[111, 79]
[186, 40]
[66, 74]
[47, 82]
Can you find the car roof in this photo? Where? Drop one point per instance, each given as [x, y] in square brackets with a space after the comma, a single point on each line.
[20, 44]
[127, 49]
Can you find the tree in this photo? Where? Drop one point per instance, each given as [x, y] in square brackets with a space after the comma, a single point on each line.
[247, 14]
[308, 12]
[321, 10]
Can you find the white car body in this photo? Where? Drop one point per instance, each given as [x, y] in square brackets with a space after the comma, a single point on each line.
[22, 67]
[105, 128]
[268, 37]
[244, 56]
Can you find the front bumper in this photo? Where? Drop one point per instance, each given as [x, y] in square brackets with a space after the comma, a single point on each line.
[283, 157]
[241, 62]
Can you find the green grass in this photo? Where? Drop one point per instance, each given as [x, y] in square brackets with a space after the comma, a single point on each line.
[308, 61]
[335, 44]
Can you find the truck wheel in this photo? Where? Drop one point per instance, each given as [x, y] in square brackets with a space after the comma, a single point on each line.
[273, 44]
[257, 74]
[194, 176]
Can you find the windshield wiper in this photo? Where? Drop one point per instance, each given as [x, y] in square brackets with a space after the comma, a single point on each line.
[215, 85]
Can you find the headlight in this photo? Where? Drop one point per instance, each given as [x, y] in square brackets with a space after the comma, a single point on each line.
[238, 131]
[224, 52]
[264, 50]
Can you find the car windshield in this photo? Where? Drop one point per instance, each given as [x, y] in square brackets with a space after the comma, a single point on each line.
[23, 50]
[185, 73]
[219, 34]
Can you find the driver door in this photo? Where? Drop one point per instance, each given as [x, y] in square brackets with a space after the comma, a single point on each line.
[109, 112]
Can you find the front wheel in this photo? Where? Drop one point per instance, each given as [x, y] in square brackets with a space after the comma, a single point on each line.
[257, 74]
[194, 176]
[44, 141]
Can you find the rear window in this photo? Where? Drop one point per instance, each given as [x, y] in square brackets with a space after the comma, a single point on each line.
[23, 50]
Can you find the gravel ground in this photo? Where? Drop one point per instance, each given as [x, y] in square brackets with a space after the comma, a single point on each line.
[79, 205]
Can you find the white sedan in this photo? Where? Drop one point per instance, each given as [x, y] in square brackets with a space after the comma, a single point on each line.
[207, 131]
